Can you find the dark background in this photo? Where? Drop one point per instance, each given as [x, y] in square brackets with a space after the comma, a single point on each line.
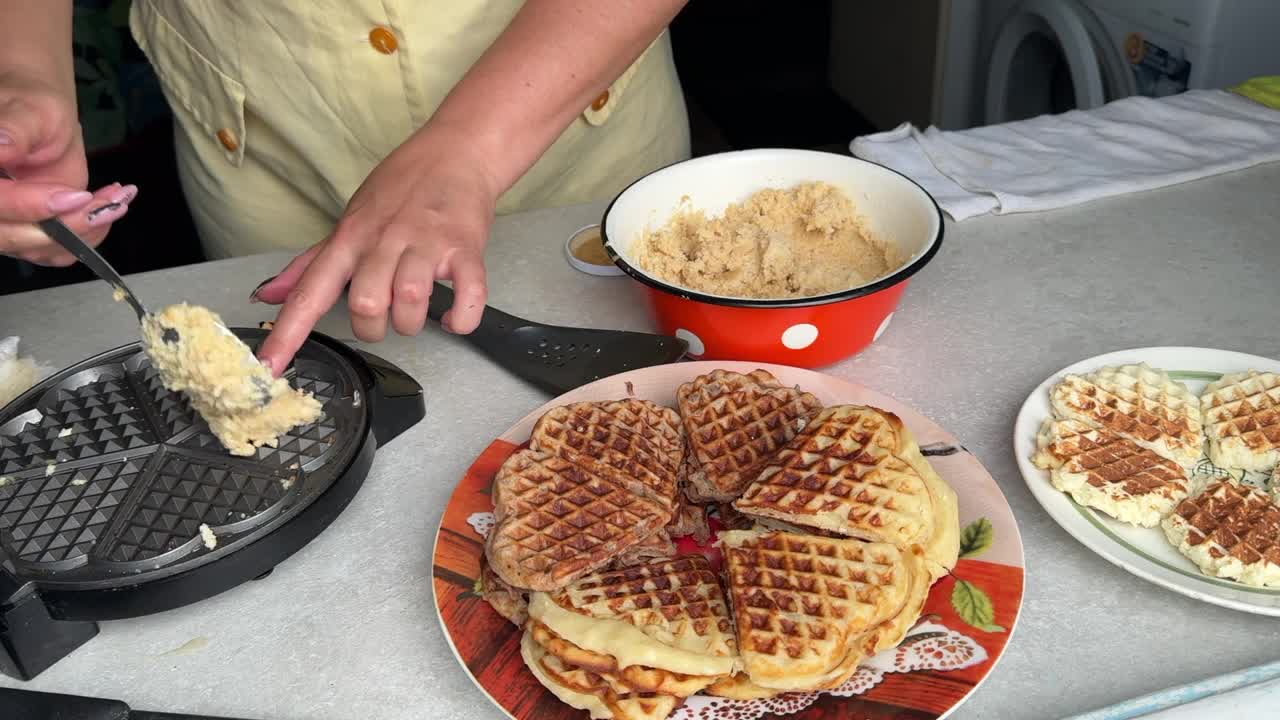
[752, 76]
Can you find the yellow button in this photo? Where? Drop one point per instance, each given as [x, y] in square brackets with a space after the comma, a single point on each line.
[228, 140]
[383, 40]
[601, 101]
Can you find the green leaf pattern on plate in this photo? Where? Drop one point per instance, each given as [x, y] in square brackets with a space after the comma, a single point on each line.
[974, 606]
[976, 538]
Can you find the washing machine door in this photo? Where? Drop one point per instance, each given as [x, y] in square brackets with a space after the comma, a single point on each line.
[1044, 61]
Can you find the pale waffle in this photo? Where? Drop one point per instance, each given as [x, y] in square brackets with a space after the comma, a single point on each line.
[669, 615]
[1101, 470]
[1137, 402]
[808, 609]
[857, 471]
[1242, 420]
[740, 687]
[638, 438]
[627, 680]
[1229, 530]
[585, 690]
[557, 520]
[734, 424]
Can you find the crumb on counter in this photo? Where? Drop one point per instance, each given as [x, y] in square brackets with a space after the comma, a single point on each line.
[804, 241]
[244, 405]
[210, 540]
[50, 468]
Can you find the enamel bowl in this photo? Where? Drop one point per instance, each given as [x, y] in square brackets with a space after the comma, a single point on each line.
[801, 332]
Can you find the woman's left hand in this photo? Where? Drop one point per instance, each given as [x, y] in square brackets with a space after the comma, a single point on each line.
[422, 215]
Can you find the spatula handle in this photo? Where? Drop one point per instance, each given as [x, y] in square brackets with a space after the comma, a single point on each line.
[493, 322]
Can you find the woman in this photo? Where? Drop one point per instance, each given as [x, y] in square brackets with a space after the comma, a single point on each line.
[384, 134]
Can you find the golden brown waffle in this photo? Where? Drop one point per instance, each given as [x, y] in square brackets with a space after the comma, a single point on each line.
[657, 546]
[601, 696]
[804, 605]
[690, 519]
[1242, 420]
[1229, 530]
[557, 521]
[511, 603]
[669, 615]
[1139, 403]
[857, 471]
[735, 423]
[637, 438]
[1104, 471]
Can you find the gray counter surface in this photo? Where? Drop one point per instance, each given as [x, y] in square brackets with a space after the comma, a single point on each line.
[347, 627]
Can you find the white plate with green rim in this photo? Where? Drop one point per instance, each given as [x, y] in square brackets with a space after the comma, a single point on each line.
[1144, 551]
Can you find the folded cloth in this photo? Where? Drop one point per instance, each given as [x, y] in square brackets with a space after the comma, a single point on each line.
[1265, 89]
[1053, 161]
[17, 374]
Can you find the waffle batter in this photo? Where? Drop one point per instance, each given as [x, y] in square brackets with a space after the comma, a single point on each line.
[801, 242]
[244, 405]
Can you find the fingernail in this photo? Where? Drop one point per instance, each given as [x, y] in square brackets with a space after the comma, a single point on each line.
[108, 213]
[68, 200]
[5, 138]
[124, 195]
[253, 296]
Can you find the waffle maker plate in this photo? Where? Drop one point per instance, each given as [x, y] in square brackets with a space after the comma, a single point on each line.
[108, 478]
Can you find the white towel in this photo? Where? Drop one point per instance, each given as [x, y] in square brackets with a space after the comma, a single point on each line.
[1053, 161]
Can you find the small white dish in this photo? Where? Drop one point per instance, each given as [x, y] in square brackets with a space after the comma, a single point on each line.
[1143, 551]
[583, 235]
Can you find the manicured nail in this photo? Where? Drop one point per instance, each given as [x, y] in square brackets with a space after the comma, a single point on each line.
[68, 200]
[124, 195]
[108, 213]
[253, 296]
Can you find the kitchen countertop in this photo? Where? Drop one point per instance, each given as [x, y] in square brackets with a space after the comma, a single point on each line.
[347, 627]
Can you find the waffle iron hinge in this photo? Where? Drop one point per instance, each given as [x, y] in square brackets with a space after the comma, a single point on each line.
[32, 640]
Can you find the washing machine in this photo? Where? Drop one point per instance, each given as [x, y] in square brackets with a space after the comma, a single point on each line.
[1051, 56]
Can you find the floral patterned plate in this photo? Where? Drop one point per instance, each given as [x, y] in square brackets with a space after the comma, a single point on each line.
[1144, 551]
[968, 617]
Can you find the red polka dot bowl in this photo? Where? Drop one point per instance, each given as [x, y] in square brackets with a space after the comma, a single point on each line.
[801, 332]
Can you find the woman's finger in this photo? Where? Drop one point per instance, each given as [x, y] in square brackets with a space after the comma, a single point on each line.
[275, 289]
[33, 201]
[27, 241]
[315, 292]
[370, 295]
[411, 291]
[466, 269]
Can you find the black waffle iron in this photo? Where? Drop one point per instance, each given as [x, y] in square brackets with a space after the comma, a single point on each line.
[108, 478]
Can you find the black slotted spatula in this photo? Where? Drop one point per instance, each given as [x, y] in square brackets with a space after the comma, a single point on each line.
[558, 359]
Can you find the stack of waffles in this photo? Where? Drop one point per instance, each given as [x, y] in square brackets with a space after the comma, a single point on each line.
[843, 527]
[1126, 441]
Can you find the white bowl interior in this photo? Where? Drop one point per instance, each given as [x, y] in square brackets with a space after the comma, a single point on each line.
[892, 207]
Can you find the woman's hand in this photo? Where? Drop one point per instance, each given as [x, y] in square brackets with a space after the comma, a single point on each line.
[422, 215]
[41, 145]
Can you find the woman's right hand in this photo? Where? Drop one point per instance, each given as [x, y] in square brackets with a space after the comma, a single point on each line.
[41, 145]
